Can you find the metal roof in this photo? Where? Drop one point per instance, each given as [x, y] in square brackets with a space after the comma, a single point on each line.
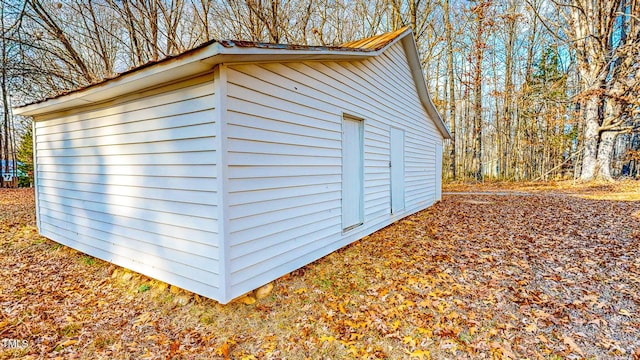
[375, 43]
[370, 44]
[203, 57]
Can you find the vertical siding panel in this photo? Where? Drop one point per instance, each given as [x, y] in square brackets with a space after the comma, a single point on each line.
[134, 182]
[283, 117]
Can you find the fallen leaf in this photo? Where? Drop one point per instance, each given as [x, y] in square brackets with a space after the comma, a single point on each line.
[264, 291]
[624, 312]
[223, 350]
[568, 340]
[420, 354]
[327, 339]
[532, 328]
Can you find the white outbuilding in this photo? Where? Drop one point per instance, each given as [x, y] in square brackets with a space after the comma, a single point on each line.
[232, 164]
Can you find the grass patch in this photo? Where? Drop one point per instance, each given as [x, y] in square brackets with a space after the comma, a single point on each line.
[71, 330]
[88, 260]
[102, 342]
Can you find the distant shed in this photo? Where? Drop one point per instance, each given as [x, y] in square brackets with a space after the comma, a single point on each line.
[234, 163]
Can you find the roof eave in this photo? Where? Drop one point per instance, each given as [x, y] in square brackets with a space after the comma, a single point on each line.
[183, 66]
[411, 50]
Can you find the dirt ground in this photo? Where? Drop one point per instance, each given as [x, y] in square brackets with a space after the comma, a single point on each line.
[537, 271]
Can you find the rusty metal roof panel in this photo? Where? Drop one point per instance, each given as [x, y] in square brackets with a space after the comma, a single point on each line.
[375, 43]
[261, 45]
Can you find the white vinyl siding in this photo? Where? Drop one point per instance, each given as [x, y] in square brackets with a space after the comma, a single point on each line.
[284, 158]
[134, 182]
[438, 161]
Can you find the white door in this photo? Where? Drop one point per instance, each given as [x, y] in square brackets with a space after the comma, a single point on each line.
[397, 170]
[352, 169]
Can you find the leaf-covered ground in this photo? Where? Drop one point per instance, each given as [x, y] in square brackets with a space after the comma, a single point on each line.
[553, 273]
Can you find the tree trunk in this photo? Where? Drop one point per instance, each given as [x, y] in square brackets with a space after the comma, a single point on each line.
[4, 141]
[591, 138]
[477, 90]
[504, 136]
[605, 153]
[452, 95]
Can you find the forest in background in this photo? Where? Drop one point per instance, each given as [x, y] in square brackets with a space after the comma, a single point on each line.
[530, 90]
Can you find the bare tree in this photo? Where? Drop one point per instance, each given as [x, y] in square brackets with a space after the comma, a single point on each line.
[451, 83]
[481, 16]
[604, 54]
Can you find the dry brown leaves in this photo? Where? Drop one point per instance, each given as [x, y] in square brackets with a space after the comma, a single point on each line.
[476, 276]
[622, 190]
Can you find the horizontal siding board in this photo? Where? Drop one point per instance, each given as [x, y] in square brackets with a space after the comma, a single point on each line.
[361, 83]
[377, 185]
[401, 81]
[162, 194]
[330, 90]
[247, 172]
[173, 217]
[267, 182]
[371, 192]
[281, 148]
[295, 258]
[184, 159]
[161, 175]
[257, 159]
[371, 105]
[158, 147]
[151, 135]
[402, 92]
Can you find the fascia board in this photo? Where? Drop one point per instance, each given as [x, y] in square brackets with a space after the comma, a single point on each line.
[411, 50]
